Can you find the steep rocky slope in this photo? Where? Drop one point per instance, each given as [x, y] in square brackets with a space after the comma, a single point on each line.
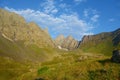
[116, 38]
[101, 43]
[66, 43]
[15, 28]
[23, 41]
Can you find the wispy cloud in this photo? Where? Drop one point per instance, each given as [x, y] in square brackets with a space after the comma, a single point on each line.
[95, 18]
[63, 5]
[64, 23]
[86, 12]
[79, 1]
[49, 7]
[91, 14]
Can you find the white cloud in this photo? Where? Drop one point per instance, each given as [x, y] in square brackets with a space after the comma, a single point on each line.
[79, 1]
[67, 24]
[86, 12]
[63, 5]
[49, 7]
[90, 33]
[91, 14]
[95, 18]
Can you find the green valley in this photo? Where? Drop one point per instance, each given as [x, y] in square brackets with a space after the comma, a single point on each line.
[27, 52]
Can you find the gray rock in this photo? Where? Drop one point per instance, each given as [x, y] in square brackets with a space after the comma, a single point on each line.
[116, 56]
[68, 42]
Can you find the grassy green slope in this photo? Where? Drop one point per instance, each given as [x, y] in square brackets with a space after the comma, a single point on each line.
[104, 47]
[10, 69]
[67, 66]
[79, 67]
[103, 43]
[18, 51]
[18, 60]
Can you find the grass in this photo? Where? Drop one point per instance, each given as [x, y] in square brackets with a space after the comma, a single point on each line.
[30, 62]
[19, 52]
[42, 70]
[19, 62]
[103, 47]
[66, 65]
[9, 69]
[92, 68]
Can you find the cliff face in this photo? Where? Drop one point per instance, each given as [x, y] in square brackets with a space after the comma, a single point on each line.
[67, 43]
[59, 40]
[101, 43]
[15, 28]
[116, 38]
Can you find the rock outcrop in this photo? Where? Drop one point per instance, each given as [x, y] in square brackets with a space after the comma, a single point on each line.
[66, 43]
[59, 40]
[15, 28]
[116, 56]
[116, 37]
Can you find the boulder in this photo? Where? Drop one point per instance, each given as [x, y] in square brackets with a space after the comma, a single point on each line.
[116, 56]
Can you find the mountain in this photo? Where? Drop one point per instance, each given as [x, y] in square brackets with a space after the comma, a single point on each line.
[103, 43]
[23, 41]
[68, 43]
[28, 53]
[15, 28]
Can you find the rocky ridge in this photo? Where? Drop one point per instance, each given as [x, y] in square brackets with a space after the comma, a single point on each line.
[104, 42]
[14, 28]
[68, 43]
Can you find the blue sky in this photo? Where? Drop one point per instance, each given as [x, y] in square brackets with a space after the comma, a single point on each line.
[69, 17]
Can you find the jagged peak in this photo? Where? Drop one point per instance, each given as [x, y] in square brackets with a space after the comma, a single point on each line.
[69, 37]
[66, 42]
[12, 16]
[61, 35]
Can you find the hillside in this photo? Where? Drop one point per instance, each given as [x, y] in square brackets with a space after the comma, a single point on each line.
[15, 28]
[22, 46]
[103, 43]
[28, 53]
[23, 41]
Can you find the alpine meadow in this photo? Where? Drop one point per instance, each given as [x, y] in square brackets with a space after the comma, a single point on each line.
[59, 40]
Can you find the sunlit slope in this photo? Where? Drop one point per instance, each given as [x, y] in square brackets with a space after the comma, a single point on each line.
[103, 43]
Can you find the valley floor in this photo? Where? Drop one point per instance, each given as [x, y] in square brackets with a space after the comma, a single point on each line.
[64, 67]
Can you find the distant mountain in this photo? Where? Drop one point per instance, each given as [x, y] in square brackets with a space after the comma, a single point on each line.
[66, 43]
[103, 43]
[23, 41]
